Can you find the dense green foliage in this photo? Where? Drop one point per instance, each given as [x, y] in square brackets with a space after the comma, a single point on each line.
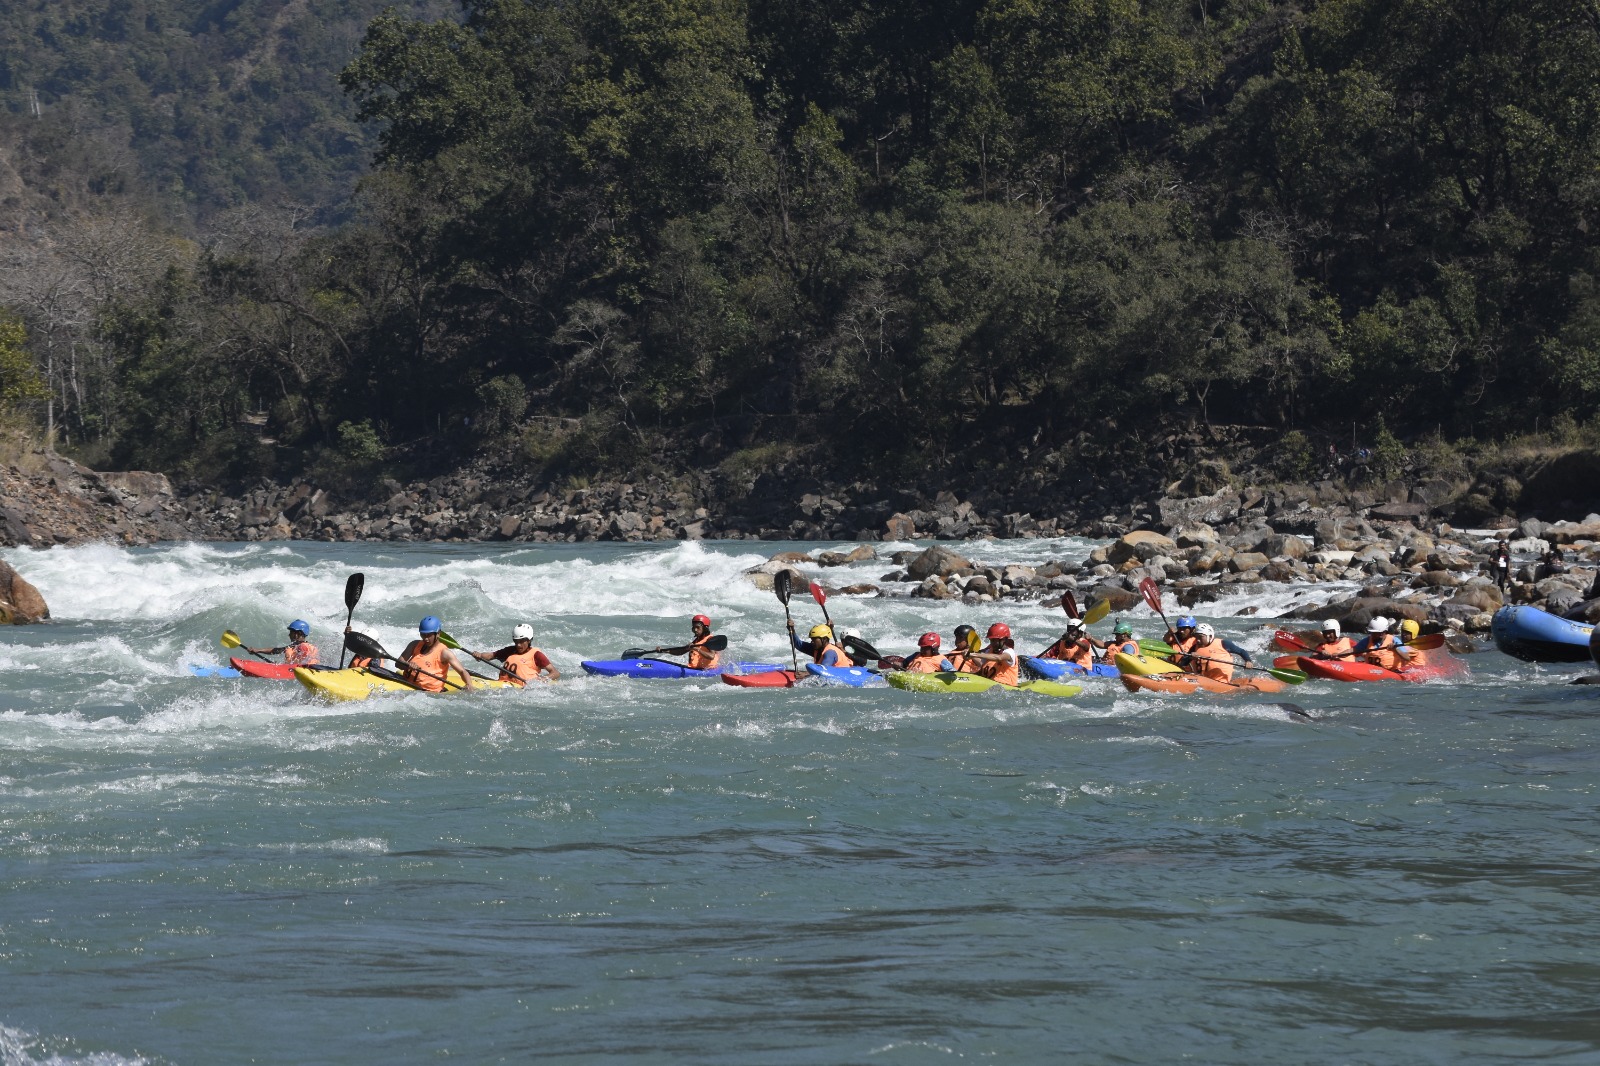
[946, 230]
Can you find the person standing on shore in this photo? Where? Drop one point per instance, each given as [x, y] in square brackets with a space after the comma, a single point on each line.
[1501, 560]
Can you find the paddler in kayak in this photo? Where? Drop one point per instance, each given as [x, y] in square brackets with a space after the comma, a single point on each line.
[299, 651]
[998, 661]
[358, 662]
[966, 642]
[1333, 645]
[1074, 646]
[700, 656]
[820, 646]
[1181, 637]
[927, 659]
[522, 661]
[1380, 648]
[427, 655]
[1122, 643]
[1409, 631]
[1207, 656]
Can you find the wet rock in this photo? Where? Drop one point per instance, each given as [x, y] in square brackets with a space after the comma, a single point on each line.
[899, 527]
[1213, 510]
[1243, 561]
[1141, 545]
[936, 561]
[932, 588]
[20, 603]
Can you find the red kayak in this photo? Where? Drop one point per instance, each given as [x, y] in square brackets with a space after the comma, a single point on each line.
[766, 679]
[257, 668]
[1357, 670]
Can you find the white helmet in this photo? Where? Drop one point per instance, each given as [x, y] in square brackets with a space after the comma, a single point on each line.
[1379, 624]
[1074, 623]
[522, 632]
[1331, 626]
[846, 634]
[1204, 631]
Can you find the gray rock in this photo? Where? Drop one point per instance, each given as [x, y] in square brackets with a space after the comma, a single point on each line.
[936, 561]
[1211, 510]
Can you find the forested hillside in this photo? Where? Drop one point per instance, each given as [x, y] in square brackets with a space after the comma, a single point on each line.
[950, 234]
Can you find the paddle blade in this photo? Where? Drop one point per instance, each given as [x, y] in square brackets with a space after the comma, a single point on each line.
[1289, 642]
[1151, 594]
[1097, 612]
[817, 593]
[1069, 603]
[352, 590]
[636, 653]
[974, 642]
[365, 646]
[781, 582]
[1427, 643]
[230, 639]
[1155, 647]
[448, 641]
[856, 644]
[717, 643]
[1291, 677]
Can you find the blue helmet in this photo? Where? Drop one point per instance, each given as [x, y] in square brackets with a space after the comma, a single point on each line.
[429, 624]
[297, 626]
[1186, 622]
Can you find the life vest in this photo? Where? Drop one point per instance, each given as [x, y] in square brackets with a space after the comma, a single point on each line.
[1184, 645]
[1003, 670]
[927, 664]
[1418, 658]
[359, 662]
[521, 667]
[964, 663]
[1385, 652]
[1337, 648]
[302, 654]
[702, 657]
[843, 656]
[431, 661]
[1213, 661]
[1130, 647]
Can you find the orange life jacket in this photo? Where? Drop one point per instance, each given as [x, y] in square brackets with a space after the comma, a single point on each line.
[964, 663]
[920, 663]
[1129, 647]
[302, 654]
[702, 657]
[521, 667]
[844, 656]
[1382, 650]
[360, 661]
[1184, 645]
[1003, 671]
[1335, 648]
[431, 661]
[1213, 661]
[1418, 658]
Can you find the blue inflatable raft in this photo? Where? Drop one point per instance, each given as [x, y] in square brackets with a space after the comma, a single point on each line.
[1536, 636]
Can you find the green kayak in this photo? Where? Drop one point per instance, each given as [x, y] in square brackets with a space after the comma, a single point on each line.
[944, 682]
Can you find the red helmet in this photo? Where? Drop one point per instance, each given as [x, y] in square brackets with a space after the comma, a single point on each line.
[928, 640]
[702, 620]
[999, 631]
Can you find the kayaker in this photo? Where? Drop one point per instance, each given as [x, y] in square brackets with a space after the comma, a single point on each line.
[428, 654]
[1074, 646]
[1181, 637]
[926, 659]
[700, 656]
[820, 646]
[961, 652]
[523, 662]
[358, 662]
[999, 660]
[299, 651]
[1207, 656]
[1380, 648]
[1333, 645]
[1409, 632]
[848, 639]
[1122, 643]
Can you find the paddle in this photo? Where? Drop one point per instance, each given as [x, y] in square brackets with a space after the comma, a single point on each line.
[230, 639]
[858, 645]
[822, 601]
[1152, 596]
[1289, 642]
[1291, 677]
[366, 647]
[352, 596]
[214, 671]
[1097, 612]
[1069, 603]
[716, 643]
[780, 585]
[450, 642]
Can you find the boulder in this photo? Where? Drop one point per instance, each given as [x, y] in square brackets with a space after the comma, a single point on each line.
[1212, 510]
[1142, 545]
[1243, 561]
[1569, 532]
[1283, 545]
[932, 588]
[936, 562]
[1198, 535]
[1121, 599]
[20, 603]
[899, 527]
[1478, 598]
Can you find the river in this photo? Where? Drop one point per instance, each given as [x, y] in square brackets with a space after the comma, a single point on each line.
[200, 870]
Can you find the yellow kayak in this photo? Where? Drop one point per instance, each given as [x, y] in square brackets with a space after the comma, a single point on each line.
[358, 684]
[1145, 666]
[947, 682]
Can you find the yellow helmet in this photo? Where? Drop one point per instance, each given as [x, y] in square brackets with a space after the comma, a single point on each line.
[1409, 629]
[821, 631]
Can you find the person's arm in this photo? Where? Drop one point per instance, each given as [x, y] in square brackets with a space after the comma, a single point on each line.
[542, 664]
[452, 663]
[267, 651]
[833, 653]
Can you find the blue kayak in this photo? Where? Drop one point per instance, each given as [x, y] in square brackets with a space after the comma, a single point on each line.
[1055, 669]
[854, 676]
[1536, 636]
[663, 669]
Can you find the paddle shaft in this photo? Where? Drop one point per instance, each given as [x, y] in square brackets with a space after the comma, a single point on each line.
[352, 596]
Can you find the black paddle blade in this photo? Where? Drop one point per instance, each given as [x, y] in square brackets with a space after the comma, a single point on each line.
[856, 644]
[636, 653]
[780, 585]
[716, 643]
[365, 646]
[352, 590]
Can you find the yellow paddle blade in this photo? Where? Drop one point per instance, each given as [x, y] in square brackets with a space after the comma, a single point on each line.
[230, 639]
[974, 642]
[1097, 612]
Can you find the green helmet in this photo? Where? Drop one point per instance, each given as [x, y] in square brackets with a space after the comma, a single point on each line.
[1124, 629]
